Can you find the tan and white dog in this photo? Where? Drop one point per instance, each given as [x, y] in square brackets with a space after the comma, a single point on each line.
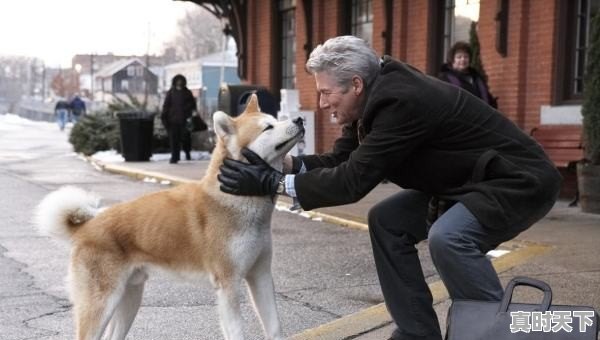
[187, 230]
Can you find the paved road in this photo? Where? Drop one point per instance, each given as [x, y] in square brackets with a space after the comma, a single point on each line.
[322, 271]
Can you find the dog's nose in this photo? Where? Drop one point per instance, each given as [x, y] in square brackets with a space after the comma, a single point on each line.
[299, 121]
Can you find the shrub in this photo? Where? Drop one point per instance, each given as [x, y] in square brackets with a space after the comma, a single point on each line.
[100, 131]
[95, 132]
[591, 94]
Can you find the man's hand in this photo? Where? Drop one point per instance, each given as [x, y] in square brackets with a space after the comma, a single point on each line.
[291, 164]
[255, 179]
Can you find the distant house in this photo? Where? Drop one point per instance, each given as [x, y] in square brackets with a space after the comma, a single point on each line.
[128, 76]
[204, 76]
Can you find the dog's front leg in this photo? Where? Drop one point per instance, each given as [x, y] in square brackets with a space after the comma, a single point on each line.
[229, 310]
[262, 290]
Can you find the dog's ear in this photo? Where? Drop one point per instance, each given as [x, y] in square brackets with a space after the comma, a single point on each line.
[223, 124]
[252, 105]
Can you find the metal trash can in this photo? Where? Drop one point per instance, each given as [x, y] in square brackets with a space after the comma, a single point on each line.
[136, 130]
[233, 99]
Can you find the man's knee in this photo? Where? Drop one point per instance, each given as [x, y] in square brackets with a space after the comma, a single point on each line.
[374, 216]
[445, 243]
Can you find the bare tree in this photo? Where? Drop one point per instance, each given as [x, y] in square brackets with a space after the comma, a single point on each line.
[199, 33]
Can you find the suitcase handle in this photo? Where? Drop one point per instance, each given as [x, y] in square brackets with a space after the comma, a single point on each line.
[526, 281]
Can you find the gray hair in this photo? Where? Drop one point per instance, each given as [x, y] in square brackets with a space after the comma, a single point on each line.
[344, 57]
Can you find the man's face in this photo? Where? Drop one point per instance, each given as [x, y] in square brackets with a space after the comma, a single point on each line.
[179, 84]
[342, 104]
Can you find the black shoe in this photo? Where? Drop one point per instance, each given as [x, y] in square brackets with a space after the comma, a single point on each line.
[395, 335]
[173, 161]
[398, 335]
[188, 157]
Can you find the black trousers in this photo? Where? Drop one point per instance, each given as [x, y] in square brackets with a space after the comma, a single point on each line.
[457, 243]
[179, 137]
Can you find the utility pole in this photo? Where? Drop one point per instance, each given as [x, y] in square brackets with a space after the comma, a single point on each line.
[92, 76]
[146, 70]
[43, 82]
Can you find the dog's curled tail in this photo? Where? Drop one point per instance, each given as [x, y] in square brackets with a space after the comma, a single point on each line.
[63, 210]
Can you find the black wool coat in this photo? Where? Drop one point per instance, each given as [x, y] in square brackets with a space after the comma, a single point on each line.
[178, 106]
[424, 134]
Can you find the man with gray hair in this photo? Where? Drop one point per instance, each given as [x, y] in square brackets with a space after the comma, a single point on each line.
[470, 178]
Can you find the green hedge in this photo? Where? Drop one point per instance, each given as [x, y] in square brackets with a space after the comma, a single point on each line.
[96, 132]
[100, 132]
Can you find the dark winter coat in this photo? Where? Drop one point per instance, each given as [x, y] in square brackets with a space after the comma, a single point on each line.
[178, 105]
[425, 134]
[470, 81]
[62, 105]
[78, 106]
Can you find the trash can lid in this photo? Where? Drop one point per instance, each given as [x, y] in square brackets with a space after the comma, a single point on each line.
[135, 115]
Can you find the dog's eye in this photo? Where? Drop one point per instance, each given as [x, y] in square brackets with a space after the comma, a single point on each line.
[269, 127]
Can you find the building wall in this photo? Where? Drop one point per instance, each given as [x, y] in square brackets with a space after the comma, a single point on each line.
[523, 79]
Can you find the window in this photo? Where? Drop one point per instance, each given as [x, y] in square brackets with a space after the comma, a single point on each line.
[575, 28]
[130, 71]
[124, 84]
[361, 23]
[451, 22]
[287, 14]
[139, 71]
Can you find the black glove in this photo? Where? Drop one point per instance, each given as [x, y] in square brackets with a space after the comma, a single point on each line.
[255, 179]
[296, 164]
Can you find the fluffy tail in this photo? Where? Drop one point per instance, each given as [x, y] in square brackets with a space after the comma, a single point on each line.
[63, 210]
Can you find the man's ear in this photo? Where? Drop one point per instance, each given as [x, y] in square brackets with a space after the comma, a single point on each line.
[358, 85]
[223, 124]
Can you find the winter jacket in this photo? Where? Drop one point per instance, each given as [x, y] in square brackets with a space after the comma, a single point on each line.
[178, 105]
[62, 105]
[470, 81]
[424, 134]
[78, 106]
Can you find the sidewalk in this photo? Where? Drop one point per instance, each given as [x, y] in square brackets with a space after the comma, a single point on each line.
[563, 250]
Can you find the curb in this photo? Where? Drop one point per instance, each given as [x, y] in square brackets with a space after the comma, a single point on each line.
[376, 317]
[371, 318]
[175, 180]
[137, 173]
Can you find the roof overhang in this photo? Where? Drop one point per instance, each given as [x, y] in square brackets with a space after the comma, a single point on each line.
[234, 14]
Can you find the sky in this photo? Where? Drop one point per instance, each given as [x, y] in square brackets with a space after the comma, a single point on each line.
[56, 30]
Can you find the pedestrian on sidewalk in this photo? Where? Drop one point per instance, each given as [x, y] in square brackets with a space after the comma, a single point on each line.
[61, 112]
[177, 108]
[436, 142]
[77, 108]
[458, 72]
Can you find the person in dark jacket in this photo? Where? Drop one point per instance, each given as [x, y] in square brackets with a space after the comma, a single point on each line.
[77, 108]
[61, 111]
[458, 72]
[435, 141]
[177, 108]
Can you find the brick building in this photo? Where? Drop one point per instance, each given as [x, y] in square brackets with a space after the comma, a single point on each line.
[533, 51]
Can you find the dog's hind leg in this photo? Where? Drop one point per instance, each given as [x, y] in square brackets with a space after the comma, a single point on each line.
[128, 306]
[260, 283]
[229, 309]
[97, 287]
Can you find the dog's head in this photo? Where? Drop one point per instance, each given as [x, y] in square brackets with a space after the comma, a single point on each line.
[262, 133]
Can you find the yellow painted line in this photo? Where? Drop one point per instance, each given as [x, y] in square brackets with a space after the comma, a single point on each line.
[328, 218]
[370, 318]
[138, 173]
[377, 316]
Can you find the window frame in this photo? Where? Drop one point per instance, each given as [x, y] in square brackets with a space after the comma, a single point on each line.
[286, 9]
[568, 67]
[356, 21]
